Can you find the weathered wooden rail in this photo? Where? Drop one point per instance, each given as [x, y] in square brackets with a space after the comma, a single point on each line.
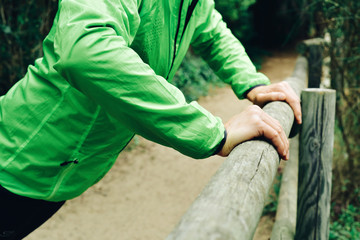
[285, 224]
[231, 204]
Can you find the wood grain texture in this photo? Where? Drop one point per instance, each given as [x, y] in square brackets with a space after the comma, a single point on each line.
[315, 164]
[231, 204]
[285, 221]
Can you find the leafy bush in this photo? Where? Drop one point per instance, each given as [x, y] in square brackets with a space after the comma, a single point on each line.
[238, 17]
[346, 224]
[23, 25]
[194, 77]
[341, 18]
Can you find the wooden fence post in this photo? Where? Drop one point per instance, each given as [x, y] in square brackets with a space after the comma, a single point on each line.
[315, 164]
[313, 50]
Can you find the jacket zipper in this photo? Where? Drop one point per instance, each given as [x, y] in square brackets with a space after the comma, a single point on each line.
[176, 36]
[61, 177]
[187, 19]
[189, 14]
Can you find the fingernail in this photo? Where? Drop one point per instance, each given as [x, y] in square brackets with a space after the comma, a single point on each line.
[300, 120]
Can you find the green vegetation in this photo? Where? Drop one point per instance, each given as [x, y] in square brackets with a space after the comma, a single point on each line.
[238, 17]
[195, 77]
[346, 224]
[23, 25]
[341, 19]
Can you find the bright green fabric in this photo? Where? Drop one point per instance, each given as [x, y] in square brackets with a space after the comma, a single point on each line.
[102, 80]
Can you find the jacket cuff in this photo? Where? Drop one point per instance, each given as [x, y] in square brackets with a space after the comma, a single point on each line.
[221, 144]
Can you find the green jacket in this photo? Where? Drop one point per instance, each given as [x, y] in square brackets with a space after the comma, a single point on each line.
[103, 78]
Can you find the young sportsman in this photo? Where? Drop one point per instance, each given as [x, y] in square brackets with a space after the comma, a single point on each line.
[103, 78]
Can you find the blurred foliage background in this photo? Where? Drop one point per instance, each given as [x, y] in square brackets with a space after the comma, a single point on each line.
[341, 19]
[23, 26]
[262, 26]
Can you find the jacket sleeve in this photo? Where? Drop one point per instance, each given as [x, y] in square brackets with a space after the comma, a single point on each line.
[223, 52]
[92, 46]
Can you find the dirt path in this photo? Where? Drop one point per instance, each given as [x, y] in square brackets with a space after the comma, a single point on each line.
[150, 187]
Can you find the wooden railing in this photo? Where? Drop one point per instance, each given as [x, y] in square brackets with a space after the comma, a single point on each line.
[231, 204]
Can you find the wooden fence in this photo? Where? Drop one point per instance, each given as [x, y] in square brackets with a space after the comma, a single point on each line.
[231, 204]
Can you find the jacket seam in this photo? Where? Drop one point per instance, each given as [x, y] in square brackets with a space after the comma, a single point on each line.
[87, 131]
[76, 151]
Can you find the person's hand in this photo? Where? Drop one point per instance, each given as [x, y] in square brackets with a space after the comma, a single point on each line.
[276, 92]
[252, 123]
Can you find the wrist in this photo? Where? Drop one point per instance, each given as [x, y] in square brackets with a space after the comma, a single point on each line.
[221, 145]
